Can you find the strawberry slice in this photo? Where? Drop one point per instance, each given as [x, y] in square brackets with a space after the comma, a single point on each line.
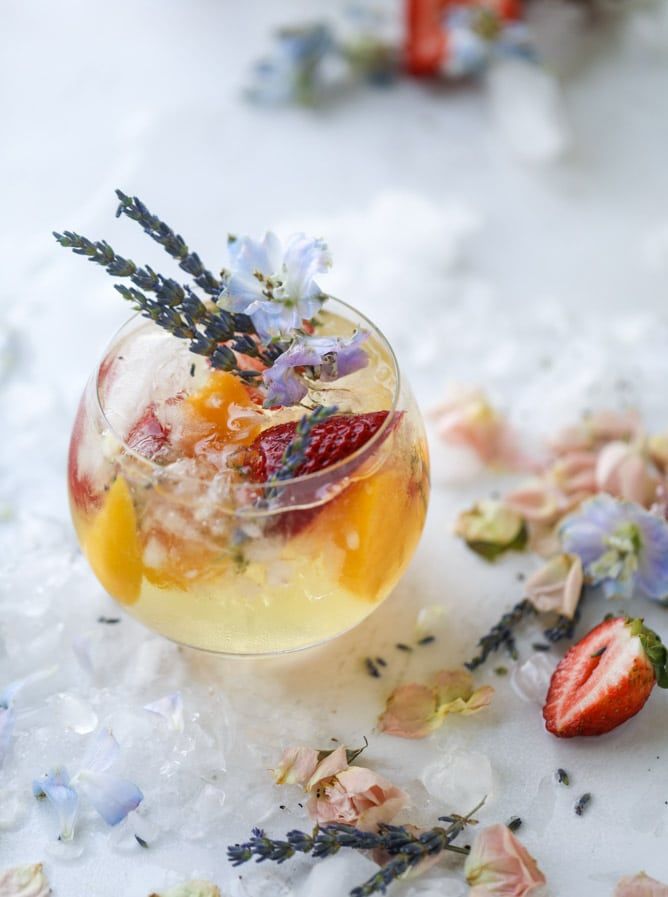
[330, 441]
[148, 437]
[605, 679]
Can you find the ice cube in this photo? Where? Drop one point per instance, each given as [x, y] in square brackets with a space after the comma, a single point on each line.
[527, 111]
[337, 875]
[459, 780]
[531, 679]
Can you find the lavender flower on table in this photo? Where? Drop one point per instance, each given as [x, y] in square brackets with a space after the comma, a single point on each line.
[325, 358]
[623, 547]
[274, 285]
[112, 796]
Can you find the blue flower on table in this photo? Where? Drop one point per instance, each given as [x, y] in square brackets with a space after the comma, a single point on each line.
[274, 284]
[111, 796]
[324, 358]
[623, 547]
[296, 70]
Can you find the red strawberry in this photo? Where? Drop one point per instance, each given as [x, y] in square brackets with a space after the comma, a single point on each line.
[148, 437]
[605, 679]
[330, 441]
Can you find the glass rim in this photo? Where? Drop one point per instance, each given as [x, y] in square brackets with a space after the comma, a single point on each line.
[162, 471]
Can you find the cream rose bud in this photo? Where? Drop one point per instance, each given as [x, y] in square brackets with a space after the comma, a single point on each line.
[500, 866]
[557, 585]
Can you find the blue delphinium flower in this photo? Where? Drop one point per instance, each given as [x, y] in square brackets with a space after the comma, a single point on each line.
[294, 73]
[274, 285]
[111, 796]
[623, 547]
[324, 358]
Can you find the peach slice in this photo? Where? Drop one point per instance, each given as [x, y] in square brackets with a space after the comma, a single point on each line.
[112, 544]
[223, 412]
[376, 523]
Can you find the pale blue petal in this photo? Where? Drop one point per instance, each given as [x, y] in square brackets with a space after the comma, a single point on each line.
[102, 752]
[169, 708]
[112, 797]
[248, 255]
[304, 258]
[55, 786]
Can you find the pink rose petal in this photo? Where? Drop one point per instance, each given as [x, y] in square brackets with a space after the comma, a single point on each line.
[500, 866]
[640, 885]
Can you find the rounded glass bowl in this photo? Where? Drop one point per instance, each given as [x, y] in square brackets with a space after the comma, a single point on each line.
[233, 566]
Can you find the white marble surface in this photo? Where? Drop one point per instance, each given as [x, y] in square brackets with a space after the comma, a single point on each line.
[545, 283]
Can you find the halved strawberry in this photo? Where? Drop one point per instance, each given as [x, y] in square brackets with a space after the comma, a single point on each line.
[330, 441]
[148, 437]
[605, 679]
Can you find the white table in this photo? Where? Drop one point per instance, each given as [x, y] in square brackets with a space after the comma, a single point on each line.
[544, 283]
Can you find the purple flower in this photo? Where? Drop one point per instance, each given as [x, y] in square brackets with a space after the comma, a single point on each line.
[623, 547]
[113, 797]
[325, 358]
[274, 285]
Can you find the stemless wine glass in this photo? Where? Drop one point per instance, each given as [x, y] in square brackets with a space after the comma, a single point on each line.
[198, 550]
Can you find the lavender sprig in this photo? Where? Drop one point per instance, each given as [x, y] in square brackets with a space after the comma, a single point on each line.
[501, 634]
[173, 243]
[405, 848]
[175, 308]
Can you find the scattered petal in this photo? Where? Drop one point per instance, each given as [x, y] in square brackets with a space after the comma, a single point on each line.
[640, 885]
[170, 708]
[500, 866]
[296, 767]
[112, 797]
[55, 786]
[329, 766]
[490, 528]
[24, 881]
[623, 471]
[101, 753]
[557, 586]
[414, 710]
[594, 431]
[468, 419]
[410, 712]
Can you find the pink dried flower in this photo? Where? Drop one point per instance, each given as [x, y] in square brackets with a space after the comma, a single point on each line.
[623, 470]
[500, 866]
[414, 710]
[594, 431]
[640, 885]
[468, 419]
[557, 586]
[355, 796]
[296, 766]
